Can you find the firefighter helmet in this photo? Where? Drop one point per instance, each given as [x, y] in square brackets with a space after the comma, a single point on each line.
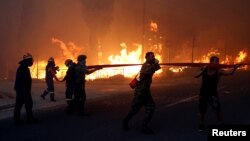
[27, 56]
[67, 62]
[51, 59]
[81, 57]
[214, 59]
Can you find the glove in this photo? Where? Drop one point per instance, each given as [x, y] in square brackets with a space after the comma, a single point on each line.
[98, 68]
[156, 61]
[236, 66]
[56, 68]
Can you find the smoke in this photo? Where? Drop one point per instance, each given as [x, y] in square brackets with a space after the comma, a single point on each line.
[29, 25]
[98, 15]
[70, 50]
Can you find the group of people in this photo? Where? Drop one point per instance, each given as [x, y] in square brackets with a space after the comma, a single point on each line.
[75, 85]
[76, 96]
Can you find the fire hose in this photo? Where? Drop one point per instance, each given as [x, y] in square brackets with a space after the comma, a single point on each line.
[171, 64]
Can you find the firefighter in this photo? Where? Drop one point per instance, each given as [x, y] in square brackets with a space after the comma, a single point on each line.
[208, 92]
[142, 95]
[51, 70]
[80, 71]
[23, 90]
[70, 85]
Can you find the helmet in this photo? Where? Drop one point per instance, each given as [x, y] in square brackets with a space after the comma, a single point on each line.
[81, 57]
[214, 58]
[51, 59]
[27, 56]
[148, 53]
[67, 62]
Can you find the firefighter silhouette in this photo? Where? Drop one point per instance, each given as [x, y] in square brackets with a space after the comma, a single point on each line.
[143, 94]
[23, 90]
[51, 70]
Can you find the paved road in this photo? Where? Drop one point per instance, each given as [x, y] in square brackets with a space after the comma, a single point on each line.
[176, 117]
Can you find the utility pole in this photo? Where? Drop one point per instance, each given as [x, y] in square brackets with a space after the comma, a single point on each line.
[7, 71]
[143, 31]
[193, 45]
[37, 69]
[225, 50]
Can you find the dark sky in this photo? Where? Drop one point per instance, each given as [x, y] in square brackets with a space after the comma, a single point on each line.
[29, 25]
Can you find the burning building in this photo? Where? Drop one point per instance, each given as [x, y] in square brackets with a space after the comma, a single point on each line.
[178, 31]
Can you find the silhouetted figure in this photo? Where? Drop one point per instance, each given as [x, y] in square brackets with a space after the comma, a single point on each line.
[50, 69]
[23, 90]
[208, 91]
[143, 94]
[80, 71]
[70, 85]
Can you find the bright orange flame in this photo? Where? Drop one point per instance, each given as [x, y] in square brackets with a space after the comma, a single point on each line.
[153, 26]
[177, 69]
[206, 58]
[36, 71]
[70, 51]
[228, 60]
[124, 57]
[242, 55]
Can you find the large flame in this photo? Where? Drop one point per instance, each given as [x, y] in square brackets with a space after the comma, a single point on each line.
[153, 26]
[38, 69]
[206, 58]
[155, 44]
[69, 51]
[125, 57]
[242, 55]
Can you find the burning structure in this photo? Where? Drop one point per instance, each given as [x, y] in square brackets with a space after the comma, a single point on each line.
[71, 51]
[110, 30]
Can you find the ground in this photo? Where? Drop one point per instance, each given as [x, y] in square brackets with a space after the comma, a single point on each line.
[175, 119]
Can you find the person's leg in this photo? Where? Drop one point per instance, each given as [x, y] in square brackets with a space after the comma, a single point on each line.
[215, 103]
[17, 109]
[82, 101]
[69, 99]
[28, 106]
[51, 91]
[79, 96]
[202, 110]
[149, 111]
[45, 92]
[135, 108]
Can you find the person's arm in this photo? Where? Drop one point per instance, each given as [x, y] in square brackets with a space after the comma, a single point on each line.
[226, 72]
[89, 71]
[146, 70]
[53, 71]
[201, 72]
[156, 65]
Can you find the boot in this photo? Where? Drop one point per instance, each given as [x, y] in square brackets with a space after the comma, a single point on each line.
[125, 125]
[146, 130]
[32, 120]
[52, 97]
[70, 107]
[44, 94]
